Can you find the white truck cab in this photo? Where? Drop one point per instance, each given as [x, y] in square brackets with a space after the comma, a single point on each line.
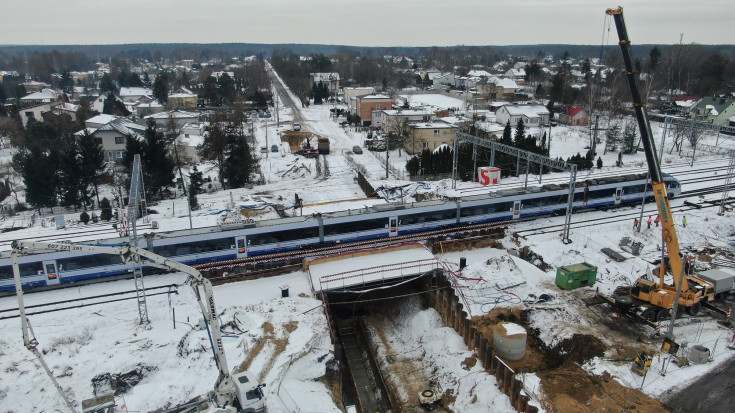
[249, 393]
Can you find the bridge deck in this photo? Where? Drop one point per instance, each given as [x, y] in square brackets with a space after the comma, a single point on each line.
[342, 271]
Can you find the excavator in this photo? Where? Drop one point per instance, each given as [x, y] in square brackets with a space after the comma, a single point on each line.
[660, 299]
[233, 393]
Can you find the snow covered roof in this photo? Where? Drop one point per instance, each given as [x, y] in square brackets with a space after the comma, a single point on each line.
[176, 114]
[407, 112]
[325, 77]
[134, 92]
[124, 126]
[101, 119]
[44, 95]
[478, 73]
[505, 83]
[530, 111]
[374, 97]
[431, 125]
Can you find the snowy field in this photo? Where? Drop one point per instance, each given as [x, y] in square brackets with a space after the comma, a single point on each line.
[285, 341]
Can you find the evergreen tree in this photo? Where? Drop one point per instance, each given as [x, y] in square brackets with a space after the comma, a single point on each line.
[158, 166]
[39, 173]
[196, 182]
[238, 163]
[92, 160]
[629, 138]
[426, 162]
[106, 209]
[612, 138]
[520, 134]
[507, 139]
[70, 175]
[413, 165]
[226, 87]
[107, 85]
[160, 88]
[66, 83]
[146, 80]
[214, 144]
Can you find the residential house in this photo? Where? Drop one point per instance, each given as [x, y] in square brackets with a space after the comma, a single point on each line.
[112, 133]
[34, 105]
[714, 110]
[365, 105]
[143, 108]
[182, 100]
[331, 80]
[351, 94]
[532, 115]
[517, 75]
[445, 79]
[8, 74]
[574, 115]
[429, 135]
[132, 94]
[180, 118]
[34, 86]
[394, 121]
[495, 88]
[478, 73]
[190, 138]
[683, 104]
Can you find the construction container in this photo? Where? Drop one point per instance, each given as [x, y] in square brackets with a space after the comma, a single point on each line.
[574, 276]
[722, 281]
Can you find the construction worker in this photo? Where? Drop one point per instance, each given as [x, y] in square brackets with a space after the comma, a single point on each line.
[684, 221]
[657, 220]
[650, 219]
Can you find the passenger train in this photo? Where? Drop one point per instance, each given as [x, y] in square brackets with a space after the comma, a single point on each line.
[218, 243]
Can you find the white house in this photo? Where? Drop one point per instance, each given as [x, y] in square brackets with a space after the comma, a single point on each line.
[532, 115]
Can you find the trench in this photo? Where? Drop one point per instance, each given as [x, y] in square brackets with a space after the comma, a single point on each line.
[370, 382]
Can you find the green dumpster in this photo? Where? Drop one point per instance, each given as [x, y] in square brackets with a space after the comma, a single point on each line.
[574, 276]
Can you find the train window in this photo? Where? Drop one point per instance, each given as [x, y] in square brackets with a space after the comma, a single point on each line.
[6, 272]
[193, 247]
[88, 261]
[33, 268]
[282, 236]
[357, 226]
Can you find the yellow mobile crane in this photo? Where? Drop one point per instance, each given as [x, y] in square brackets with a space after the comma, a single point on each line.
[687, 291]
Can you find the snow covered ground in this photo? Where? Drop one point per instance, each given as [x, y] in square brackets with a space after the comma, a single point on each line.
[285, 341]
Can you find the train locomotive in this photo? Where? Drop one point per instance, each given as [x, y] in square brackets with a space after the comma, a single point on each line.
[218, 243]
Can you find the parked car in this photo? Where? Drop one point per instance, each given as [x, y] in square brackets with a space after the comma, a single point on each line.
[357, 150]
[263, 149]
[274, 148]
[296, 126]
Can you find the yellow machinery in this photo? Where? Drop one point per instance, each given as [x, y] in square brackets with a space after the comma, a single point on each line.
[662, 296]
[641, 364]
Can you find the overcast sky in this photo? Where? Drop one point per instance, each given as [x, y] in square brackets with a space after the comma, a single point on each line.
[362, 23]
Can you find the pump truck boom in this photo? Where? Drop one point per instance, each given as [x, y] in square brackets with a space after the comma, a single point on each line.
[232, 393]
[692, 290]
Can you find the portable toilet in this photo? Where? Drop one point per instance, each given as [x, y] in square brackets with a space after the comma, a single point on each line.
[574, 276]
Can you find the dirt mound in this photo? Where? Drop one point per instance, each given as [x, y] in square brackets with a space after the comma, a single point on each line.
[569, 388]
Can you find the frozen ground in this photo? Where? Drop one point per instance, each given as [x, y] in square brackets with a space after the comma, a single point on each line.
[285, 341]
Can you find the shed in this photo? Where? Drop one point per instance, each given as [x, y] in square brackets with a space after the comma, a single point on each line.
[574, 276]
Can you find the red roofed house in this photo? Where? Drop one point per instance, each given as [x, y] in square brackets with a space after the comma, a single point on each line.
[574, 115]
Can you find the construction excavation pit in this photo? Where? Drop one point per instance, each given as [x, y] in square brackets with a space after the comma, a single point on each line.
[406, 348]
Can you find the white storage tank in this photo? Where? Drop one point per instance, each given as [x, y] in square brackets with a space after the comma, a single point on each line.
[509, 341]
